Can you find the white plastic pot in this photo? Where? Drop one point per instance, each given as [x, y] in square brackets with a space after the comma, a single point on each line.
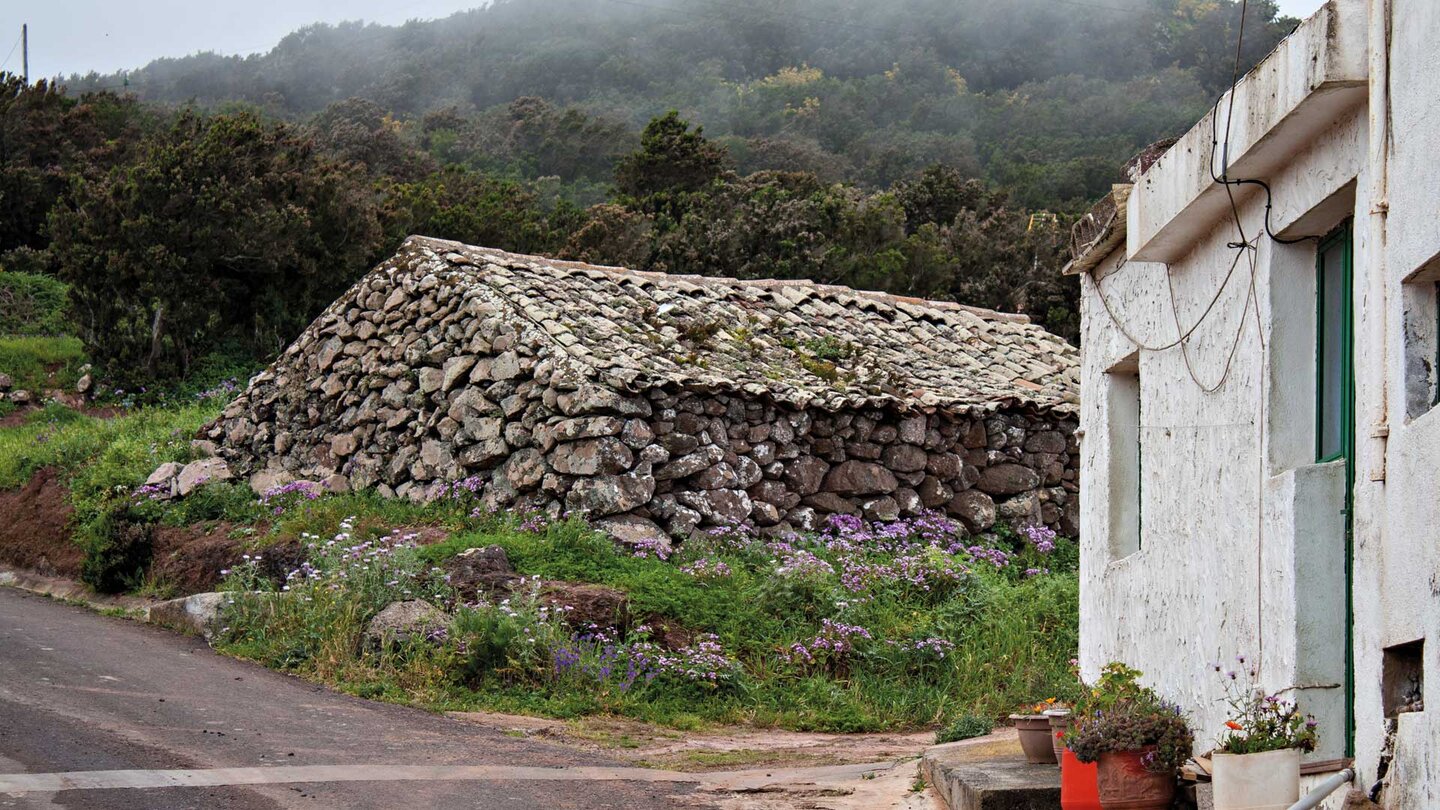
[1268, 781]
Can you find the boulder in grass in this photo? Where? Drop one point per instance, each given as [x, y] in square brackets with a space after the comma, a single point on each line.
[480, 572]
[403, 622]
[199, 473]
[584, 606]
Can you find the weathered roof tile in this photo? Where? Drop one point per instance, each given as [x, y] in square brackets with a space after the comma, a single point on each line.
[795, 341]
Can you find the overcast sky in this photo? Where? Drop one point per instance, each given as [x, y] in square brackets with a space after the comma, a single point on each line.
[75, 36]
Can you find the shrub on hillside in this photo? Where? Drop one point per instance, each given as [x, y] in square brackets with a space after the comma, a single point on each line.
[223, 228]
[117, 552]
[964, 727]
[32, 304]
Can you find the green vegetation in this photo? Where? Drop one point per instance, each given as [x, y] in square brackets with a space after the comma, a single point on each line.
[1044, 98]
[32, 304]
[964, 727]
[924, 147]
[222, 229]
[843, 631]
[37, 363]
[103, 461]
[820, 633]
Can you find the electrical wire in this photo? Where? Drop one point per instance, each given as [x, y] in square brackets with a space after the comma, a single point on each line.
[12, 52]
[1183, 335]
[1223, 177]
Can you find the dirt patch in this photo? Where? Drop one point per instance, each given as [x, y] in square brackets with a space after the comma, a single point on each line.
[20, 415]
[751, 768]
[35, 528]
[189, 559]
[713, 749]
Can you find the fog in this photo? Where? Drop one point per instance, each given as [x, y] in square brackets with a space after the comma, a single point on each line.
[79, 36]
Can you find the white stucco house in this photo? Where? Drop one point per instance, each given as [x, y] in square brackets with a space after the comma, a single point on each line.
[1260, 442]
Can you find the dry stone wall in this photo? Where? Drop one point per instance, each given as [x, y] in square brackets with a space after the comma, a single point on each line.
[413, 382]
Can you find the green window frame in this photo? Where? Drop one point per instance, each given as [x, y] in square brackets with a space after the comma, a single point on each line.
[1334, 341]
[1335, 410]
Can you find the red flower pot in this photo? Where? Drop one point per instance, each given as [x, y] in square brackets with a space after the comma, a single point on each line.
[1125, 784]
[1079, 788]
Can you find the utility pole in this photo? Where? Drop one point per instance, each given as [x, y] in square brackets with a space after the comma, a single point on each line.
[24, 52]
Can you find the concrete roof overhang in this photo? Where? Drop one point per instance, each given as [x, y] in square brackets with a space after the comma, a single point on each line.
[1308, 82]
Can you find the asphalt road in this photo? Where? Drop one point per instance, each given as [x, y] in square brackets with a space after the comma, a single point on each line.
[84, 692]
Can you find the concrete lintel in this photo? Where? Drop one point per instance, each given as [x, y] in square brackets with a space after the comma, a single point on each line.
[1308, 82]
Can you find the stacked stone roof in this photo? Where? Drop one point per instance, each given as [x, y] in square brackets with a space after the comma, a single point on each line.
[632, 330]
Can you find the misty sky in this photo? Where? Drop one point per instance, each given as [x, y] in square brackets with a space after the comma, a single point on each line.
[76, 36]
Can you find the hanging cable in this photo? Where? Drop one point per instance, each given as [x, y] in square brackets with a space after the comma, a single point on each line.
[1183, 335]
[1223, 177]
[12, 52]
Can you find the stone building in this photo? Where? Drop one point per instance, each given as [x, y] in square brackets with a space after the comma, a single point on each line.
[1259, 437]
[661, 402]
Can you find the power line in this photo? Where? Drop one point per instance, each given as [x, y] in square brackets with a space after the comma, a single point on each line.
[12, 53]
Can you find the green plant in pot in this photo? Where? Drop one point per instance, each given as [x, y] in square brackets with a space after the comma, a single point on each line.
[1138, 740]
[1257, 760]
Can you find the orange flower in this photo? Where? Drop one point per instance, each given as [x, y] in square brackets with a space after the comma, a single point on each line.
[1234, 725]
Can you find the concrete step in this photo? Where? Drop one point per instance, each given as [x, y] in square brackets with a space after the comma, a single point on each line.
[990, 773]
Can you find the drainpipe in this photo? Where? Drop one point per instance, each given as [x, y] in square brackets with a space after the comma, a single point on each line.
[1376, 226]
[1324, 789]
[1377, 317]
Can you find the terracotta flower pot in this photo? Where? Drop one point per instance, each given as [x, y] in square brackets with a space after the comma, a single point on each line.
[1079, 789]
[1059, 722]
[1125, 784]
[1035, 738]
[1261, 781]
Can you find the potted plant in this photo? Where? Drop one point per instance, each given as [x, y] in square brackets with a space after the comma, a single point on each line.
[1079, 781]
[1059, 717]
[1138, 743]
[1034, 730]
[1257, 761]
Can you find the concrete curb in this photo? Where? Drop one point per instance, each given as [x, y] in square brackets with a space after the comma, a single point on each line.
[68, 590]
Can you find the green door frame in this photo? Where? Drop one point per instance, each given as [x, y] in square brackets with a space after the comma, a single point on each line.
[1344, 237]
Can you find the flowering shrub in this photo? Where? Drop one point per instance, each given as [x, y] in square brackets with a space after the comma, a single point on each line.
[1118, 714]
[600, 658]
[465, 493]
[1134, 725]
[343, 582]
[659, 549]
[707, 568]
[511, 639]
[1041, 538]
[224, 391]
[910, 614]
[285, 496]
[1261, 722]
[830, 650]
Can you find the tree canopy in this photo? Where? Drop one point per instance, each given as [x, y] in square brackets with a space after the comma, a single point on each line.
[934, 148]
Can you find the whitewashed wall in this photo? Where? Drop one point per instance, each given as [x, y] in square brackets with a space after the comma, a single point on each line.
[1240, 550]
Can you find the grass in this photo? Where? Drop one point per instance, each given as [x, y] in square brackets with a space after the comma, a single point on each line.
[36, 364]
[1013, 636]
